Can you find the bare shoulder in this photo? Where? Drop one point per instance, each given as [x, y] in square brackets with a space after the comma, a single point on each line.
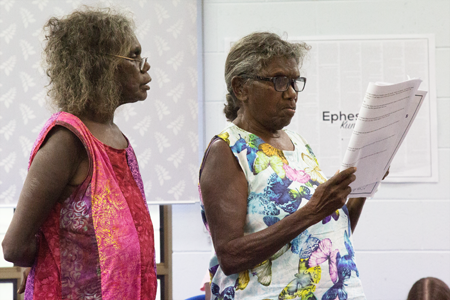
[221, 168]
[219, 146]
[220, 157]
[62, 138]
[63, 152]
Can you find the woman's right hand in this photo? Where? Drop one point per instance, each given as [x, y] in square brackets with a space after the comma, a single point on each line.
[23, 284]
[332, 194]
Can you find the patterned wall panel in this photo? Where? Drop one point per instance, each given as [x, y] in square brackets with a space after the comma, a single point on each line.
[163, 129]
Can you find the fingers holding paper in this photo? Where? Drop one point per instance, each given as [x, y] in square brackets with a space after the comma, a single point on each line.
[332, 194]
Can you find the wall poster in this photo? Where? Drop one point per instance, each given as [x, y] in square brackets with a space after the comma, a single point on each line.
[338, 71]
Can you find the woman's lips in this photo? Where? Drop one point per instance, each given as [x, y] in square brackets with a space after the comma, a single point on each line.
[291, 109]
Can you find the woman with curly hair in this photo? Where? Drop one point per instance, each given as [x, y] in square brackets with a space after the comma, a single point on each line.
[82, 222]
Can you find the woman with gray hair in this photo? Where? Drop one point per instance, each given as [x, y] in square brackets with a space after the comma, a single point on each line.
[82, 222]
[280, 229]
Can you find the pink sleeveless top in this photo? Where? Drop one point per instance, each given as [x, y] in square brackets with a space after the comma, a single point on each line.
[98, 243]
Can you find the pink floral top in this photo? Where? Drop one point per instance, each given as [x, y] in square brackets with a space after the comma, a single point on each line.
[98, 243]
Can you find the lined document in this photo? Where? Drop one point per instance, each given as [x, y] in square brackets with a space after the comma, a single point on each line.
[387, 112]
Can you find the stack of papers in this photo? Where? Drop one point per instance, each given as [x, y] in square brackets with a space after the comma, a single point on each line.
[387, 112]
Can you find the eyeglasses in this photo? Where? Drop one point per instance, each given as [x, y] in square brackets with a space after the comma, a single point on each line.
[141, 61]
[282, 83]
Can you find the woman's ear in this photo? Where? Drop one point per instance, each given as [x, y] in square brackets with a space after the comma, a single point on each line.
[239, 88]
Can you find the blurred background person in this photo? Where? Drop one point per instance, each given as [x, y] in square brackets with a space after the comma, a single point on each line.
[82, 222]
[429, 288]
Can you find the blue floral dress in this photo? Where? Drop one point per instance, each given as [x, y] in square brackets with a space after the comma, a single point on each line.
[320, 262]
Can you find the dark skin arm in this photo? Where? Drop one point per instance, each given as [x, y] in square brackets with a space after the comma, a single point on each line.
[207, 291]
[224, 193]
[355, 207]
[25, 273]
[59, 165]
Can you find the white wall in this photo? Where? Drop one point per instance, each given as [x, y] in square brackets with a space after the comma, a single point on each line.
[404, 233]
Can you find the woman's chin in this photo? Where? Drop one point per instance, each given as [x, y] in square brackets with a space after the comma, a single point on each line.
[134, 100]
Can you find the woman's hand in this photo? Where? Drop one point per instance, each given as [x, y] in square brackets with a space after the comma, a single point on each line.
[332, 194]
[23, 284]
[355, 207]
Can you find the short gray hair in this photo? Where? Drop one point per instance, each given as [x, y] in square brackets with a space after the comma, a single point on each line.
[250, 55]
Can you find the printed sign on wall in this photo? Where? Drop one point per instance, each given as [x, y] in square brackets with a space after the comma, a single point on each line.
[338, 71]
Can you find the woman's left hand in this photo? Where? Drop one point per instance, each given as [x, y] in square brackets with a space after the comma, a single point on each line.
[355, 206]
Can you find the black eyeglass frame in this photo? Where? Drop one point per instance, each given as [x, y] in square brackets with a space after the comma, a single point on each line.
[273, 79]
[141, 60]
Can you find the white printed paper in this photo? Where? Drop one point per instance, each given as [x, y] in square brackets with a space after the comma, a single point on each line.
[386, 114]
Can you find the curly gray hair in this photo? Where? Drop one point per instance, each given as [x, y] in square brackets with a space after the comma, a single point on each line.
[82, 74]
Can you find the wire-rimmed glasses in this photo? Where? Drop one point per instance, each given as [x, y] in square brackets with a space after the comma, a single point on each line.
[141, 60]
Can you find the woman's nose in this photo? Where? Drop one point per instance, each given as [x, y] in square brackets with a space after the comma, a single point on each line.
[290, 92]
[146, 67]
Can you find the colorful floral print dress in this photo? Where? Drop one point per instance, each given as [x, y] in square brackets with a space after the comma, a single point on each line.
[320, 262]
[98, 243]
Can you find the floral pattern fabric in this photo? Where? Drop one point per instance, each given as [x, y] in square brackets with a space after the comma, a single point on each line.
[320, 262]
[98, 243]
